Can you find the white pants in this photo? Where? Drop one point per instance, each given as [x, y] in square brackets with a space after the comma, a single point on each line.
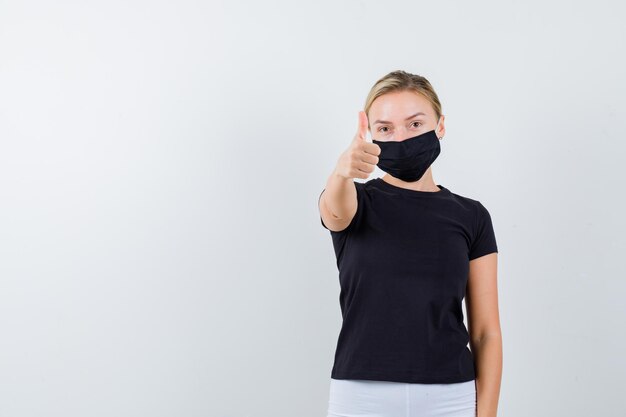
[364, 398]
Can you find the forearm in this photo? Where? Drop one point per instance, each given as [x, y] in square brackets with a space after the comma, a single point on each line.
[488, 359]
[340, 195]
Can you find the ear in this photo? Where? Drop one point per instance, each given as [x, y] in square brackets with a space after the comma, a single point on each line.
[441, 128]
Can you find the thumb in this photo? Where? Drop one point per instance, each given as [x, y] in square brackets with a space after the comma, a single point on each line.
[363, 123]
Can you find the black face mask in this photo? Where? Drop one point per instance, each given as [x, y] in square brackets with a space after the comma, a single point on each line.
[410, 158]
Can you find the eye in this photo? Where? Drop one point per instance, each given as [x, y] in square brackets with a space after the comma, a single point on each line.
[384, 127]
[416, 122]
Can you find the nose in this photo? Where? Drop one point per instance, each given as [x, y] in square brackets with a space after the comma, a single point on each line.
[400, 134]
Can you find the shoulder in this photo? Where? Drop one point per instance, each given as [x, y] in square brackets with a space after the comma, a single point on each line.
[471, 205]
[365, 187]
[465, 201]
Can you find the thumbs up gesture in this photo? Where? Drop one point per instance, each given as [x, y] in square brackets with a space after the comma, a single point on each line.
[361, 157]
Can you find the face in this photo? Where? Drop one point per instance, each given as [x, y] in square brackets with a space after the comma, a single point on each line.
[400, 115]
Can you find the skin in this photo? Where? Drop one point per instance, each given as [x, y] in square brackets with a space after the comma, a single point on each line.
[338, 205]
[483, 325]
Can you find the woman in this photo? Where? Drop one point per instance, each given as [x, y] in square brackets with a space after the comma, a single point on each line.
[408, 251]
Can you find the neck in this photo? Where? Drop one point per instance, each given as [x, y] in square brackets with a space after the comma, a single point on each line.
[425, 183]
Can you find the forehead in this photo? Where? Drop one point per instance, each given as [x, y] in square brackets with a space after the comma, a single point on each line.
[398, 105]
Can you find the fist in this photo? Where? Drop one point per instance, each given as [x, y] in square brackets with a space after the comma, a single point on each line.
[361, 157]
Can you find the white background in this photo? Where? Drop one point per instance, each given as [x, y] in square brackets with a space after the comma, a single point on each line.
[161, 252]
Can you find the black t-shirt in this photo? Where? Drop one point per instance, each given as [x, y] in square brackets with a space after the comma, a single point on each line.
[403, 266]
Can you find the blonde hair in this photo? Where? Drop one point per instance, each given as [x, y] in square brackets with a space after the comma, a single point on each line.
[404, 81]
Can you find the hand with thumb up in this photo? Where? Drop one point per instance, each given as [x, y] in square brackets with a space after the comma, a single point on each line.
[361, 157]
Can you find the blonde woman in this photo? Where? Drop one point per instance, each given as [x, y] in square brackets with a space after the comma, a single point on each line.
[408, 252]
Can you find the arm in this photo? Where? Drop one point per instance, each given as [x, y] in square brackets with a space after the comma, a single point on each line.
[485, 334]
[338, 202]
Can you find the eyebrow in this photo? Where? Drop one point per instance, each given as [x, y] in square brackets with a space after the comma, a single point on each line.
[410, 117]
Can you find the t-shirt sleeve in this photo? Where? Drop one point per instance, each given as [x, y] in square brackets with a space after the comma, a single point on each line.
[484, 239]
[359, 209]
